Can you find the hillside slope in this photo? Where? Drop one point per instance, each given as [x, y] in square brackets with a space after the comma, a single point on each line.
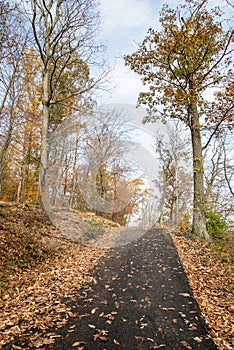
[28, 240]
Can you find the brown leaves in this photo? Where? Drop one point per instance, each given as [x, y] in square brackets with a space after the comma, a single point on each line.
[101, 335]
[37, 303]
[211, 288]
[186, 344]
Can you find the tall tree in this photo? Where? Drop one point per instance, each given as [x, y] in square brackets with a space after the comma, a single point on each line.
[179, 63]
[13, 40]
[64, 33]
[29, 126]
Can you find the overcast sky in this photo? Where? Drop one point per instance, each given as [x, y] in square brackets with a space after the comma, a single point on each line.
[124, 23]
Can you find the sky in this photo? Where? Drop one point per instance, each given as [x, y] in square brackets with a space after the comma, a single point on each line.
[124, 24]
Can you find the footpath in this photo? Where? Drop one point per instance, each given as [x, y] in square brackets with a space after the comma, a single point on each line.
[140, 299]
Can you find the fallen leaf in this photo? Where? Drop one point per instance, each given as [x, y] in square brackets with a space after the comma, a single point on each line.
[185, 294]
[197, 339]
[93, 311]
[78, 343]
[160, 329]
[116, 342]
[92, 326]
[139, 338]
[192, 327]
[186, 345]
[100, 337]
[149, 339]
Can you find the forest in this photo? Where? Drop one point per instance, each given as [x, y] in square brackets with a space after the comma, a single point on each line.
[52, 65]
[68, 169]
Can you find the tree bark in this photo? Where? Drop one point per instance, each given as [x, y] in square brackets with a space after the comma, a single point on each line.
[44, 132]
[199, 218]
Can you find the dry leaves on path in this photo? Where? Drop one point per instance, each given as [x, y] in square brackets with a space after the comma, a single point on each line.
[211, 287]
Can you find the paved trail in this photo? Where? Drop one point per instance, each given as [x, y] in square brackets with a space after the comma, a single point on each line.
[141, 300]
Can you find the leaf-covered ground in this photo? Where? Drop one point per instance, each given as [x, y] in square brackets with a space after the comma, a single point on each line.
[39, 270]
[212, 280]
[139, 298]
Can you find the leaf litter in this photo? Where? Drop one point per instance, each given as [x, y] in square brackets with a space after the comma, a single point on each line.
[32, 293]
[211, 285]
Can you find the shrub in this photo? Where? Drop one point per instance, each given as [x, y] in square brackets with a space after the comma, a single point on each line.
[215, 223]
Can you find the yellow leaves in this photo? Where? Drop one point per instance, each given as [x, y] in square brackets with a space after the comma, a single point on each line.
[78, 343]
[73, 326]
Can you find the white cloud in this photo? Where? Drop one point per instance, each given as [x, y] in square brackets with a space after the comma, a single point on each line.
[126, 22]
[127, 85]
[123, 15]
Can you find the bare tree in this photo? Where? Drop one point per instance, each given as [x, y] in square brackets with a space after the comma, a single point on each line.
[219, 170]
[175, 184]
[105, 149]
[64, 34]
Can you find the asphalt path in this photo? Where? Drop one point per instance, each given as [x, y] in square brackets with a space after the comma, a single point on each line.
[140, 299]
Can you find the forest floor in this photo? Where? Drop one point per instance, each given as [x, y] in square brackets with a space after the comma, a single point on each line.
[40, 271]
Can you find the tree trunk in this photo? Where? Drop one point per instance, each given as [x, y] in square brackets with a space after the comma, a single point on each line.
[4, 149]
[199, 218]
[177, 199]
[74, 173]
[44, 132]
